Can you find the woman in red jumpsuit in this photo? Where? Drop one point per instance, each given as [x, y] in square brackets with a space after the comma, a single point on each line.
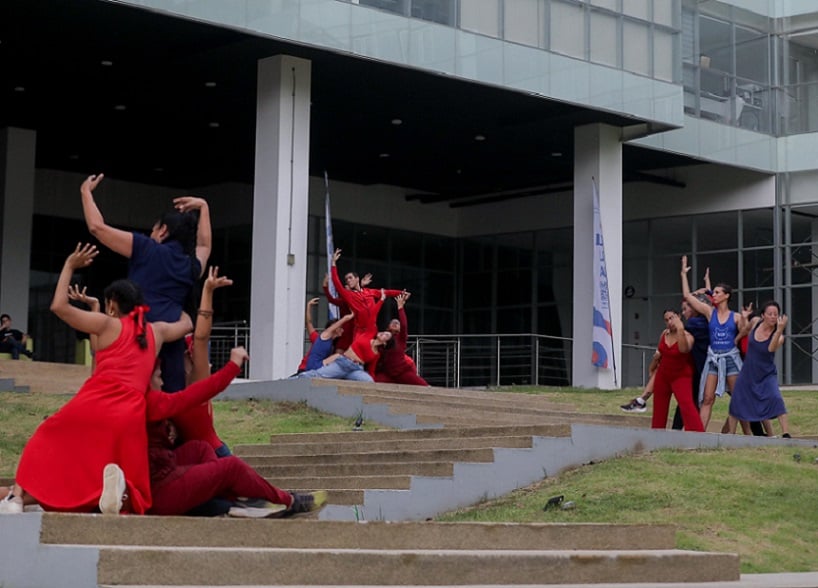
[675, 375]
[394, 366]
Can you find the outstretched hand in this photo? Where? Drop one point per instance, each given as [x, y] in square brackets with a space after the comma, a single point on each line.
[401, 298]
[366, 280]
[336, 255]
[91, 182]
[74, 293]
[747, 311]
[685, 267]
[239, 355]
[188, 203]
[82, 256]
[782, 323]
[214, 280]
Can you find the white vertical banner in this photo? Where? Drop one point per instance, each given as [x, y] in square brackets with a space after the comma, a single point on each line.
[332, 309]
[602, 355]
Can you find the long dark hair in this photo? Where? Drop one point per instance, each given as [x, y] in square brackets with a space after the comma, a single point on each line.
[128, 297]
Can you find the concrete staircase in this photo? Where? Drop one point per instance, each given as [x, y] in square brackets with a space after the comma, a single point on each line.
[42, 377]
[379, 482]
[169, 551]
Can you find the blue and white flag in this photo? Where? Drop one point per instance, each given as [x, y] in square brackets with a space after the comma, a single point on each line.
[602, 355]
[332, 309]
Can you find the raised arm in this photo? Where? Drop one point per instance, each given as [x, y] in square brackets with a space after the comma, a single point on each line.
[400, 300]
[330, 298]
[95, 323]
[77, 295]
[778, 337]
[204, 234]
[164, 332]
[116, 240]
[308, 315]
[204, 324]
[695, 303]
[329, 332]
[707, 285]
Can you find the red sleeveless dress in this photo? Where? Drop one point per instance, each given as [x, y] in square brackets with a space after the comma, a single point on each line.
[61, 465]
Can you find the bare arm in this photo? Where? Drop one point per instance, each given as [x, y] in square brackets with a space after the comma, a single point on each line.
[164, 332]
[707, 285]
[204, 324]
[308, 315]
[695, 303]
[204, 233]
[116, 240]
[74, 293]
[95, 323]
[329, 332]
[746, 325]
[778, 337]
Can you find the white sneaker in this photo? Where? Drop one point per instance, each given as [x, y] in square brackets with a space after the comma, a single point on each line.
[257, 512]
[11, 504]
[113, 489]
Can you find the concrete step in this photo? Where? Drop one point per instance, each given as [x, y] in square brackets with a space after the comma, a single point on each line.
[258, 457]
[409, 468]
[560, 430]
[334, 566]
[363, 445]
[497, 399]
[43, 377]
[313, 534]
[353, 482]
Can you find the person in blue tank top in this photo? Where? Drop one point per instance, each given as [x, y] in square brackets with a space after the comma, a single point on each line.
[723, 361]
[165, 265]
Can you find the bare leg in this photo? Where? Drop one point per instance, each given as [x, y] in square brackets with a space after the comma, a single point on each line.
[785, 424]
[708, 400]
[745, 428]
[768, 427]
[730, 425]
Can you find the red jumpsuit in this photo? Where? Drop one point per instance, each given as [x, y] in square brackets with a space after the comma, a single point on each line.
[393, 367]
[674, 376]
[362, 303]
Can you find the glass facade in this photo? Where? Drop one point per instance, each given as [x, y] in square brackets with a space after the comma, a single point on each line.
[638, 36]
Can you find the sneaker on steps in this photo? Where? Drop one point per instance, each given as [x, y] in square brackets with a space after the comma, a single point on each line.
[307, 502]
[256, 509]
[11, 504]
[113, 489]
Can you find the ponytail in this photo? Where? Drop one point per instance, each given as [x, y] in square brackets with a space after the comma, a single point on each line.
[129, 299]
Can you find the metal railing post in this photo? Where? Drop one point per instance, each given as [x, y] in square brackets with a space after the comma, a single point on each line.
[498, 362]
[536, 360]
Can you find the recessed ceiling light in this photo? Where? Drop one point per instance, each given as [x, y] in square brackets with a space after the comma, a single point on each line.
[19, 89]
[210, 84]
[479, 137]
[397, 122]
[213, 125]
[556, 154]
[159, 169]
[120, 107]
[383, 155]
[106, 62]
[73, 157]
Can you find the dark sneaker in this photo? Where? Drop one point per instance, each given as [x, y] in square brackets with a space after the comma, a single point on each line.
[308, 502]
[634, 406]
[261, 509]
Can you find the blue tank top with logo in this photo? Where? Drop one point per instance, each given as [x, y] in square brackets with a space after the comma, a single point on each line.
[722, 335]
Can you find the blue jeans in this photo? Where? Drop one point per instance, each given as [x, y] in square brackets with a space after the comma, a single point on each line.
[342, 368]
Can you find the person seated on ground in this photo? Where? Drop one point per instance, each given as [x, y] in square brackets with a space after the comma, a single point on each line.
[312, 333]
[393, 366]
[12, 341]
[324, 346]
[188, 475]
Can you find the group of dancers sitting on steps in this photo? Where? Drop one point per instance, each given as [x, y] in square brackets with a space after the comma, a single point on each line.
[121, 445]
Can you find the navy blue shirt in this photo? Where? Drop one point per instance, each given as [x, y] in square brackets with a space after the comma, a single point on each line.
[321, 349]
[163, 271]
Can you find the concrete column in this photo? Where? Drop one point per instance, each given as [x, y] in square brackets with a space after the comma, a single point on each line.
[597, 155]
[280, 212]
[17, 151]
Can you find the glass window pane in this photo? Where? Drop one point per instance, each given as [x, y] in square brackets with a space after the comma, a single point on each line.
[477, 290]
[603, 39]
[723, 270]
[480, 16]
[567, 29]
[370, 243]
[635, 48]
[609, 4]
[758, 269]
[757, 227]
[665, 276]
[802, 261]
[407, 247]
[522, 21]
[514, 320]
[439, 252]
[478, 255]
[671, 235]
[801, 314]
[397, 6]
[663, 12]
[514, 287]
[636, 8]
[663, 61]
[717, 231]
[752, 56]
[440, 11]
[715, 44]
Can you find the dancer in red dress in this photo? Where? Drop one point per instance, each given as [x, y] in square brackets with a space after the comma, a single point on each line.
[675, 375]
[94, 449]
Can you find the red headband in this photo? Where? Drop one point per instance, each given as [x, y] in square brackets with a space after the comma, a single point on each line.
[138, 313]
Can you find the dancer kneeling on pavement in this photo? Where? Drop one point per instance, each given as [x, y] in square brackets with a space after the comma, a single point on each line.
[186, 476]
[75, 459]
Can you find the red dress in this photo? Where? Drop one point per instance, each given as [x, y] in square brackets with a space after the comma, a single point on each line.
[61, 465]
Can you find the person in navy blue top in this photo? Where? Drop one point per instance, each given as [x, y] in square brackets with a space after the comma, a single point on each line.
[165, 265]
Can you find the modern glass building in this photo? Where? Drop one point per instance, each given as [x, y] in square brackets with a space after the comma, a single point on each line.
[461, 140]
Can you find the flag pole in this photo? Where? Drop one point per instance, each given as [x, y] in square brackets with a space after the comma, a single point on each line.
[332, 309]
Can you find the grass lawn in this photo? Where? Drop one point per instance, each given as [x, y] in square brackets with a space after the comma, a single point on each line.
[759, 503]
